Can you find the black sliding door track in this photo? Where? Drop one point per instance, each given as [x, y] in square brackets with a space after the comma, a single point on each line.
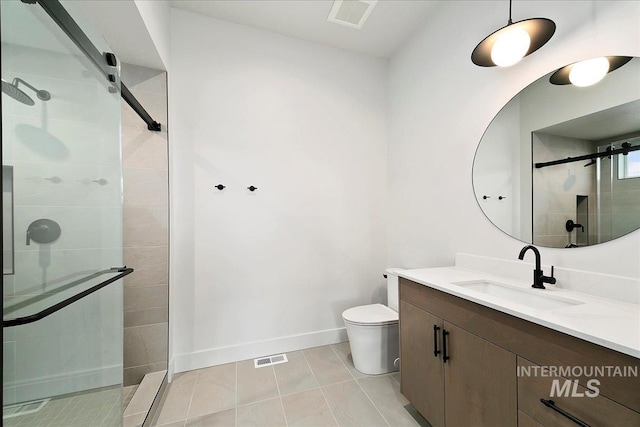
[624, 151]
[123, 271]
[104, 62]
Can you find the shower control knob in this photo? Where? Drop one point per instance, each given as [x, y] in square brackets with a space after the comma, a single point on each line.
[252, 188]
[486, 197]
[502, 197]
[220, 187]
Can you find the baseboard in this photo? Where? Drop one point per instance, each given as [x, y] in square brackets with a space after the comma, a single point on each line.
[221, 355]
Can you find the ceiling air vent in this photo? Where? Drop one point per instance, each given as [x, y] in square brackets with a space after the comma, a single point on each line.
[352, 13]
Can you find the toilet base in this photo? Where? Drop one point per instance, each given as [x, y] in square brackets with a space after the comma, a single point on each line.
[374, 348]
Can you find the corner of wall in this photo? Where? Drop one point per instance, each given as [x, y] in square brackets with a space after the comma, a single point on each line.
[155, 15]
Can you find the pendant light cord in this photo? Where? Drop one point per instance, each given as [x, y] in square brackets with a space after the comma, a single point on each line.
[510, 21]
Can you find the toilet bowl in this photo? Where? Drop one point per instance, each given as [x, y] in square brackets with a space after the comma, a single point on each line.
[373, 332]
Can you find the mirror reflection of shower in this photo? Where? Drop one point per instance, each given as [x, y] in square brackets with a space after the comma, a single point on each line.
[617, 189]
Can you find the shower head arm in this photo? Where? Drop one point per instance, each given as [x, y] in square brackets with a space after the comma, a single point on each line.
[42, 94]
[19, 80]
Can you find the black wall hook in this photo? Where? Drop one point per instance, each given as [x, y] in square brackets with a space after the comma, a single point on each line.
[486, 197]
[252, 188]
[220, 187]
[502, 197]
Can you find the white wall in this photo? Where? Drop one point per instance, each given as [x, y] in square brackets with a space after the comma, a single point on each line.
[269, 271]
[440, 105]
[155, 14]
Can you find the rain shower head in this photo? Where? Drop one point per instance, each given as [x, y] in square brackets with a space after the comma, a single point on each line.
[16, 93]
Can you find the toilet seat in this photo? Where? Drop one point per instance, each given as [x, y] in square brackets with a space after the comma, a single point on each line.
[370, 315]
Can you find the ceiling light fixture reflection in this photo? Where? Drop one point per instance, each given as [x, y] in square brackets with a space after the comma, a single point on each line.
[589, 72]
[508, 45]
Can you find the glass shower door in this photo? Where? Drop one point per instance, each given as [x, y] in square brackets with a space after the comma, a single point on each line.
[62, 226]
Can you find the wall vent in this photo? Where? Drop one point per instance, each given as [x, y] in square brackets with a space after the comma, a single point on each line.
[24, 408]
[271, 360]
[352, 13]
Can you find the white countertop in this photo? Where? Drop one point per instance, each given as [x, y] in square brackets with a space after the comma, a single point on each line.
[606, 322]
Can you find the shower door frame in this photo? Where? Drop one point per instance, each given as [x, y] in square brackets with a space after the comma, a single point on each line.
[107, 64]
[66, 23]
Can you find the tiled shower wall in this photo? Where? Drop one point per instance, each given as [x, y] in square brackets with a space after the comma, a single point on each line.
[145, 174]
[556, 188]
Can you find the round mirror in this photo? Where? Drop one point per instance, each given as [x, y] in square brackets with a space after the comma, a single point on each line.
[559, 165]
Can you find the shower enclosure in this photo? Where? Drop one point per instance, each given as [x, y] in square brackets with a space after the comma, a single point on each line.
[62, 220]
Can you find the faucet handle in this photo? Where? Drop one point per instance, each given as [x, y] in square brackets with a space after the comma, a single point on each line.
[549, 279]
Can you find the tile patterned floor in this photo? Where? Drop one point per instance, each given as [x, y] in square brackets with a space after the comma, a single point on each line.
[99, 408]
[317, 387]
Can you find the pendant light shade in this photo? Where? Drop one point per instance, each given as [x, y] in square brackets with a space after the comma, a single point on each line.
[508, 45]
[589, 72]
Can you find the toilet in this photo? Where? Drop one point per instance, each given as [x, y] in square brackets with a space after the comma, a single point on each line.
[373, 332]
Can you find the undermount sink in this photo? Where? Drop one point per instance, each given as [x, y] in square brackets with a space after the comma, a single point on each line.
[530, 298]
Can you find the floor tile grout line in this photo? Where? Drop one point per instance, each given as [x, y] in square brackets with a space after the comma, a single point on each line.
[280, 396]
[360, 385]
[372, 402]
[342, 361]
[321, 391]
[236, 408]
[193, 391]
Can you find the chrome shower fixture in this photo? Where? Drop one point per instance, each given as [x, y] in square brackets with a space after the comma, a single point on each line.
[16, 93]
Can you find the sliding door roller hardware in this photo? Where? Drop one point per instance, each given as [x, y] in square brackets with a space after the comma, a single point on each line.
[111, 59]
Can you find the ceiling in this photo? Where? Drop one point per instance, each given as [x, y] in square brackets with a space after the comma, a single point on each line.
[129, 39]
[388, 26]
[616, 121]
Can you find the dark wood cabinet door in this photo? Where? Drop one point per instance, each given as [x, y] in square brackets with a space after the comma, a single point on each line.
[421, 372]
[480, 382]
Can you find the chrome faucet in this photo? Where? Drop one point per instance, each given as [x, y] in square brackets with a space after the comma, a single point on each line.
[539, 279]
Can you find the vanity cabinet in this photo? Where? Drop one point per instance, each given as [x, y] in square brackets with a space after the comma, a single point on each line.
[450, 374]
[422, 370]
[478, 385]
[594, 411]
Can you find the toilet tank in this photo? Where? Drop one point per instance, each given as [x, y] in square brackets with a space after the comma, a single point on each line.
[392, 288]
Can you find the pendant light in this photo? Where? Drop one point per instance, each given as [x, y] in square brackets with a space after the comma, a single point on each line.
[589, 72]
[508, 45]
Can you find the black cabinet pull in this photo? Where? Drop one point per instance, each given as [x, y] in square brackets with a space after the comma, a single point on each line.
[436, 352]
[445, 356]
[551, 404]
